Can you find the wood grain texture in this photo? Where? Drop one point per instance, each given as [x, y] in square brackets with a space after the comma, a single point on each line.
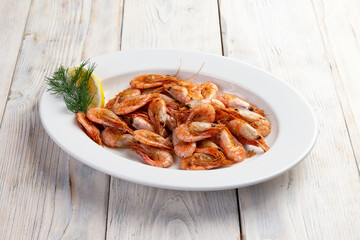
[339, 25]
[45, 194]
[13, 15]
[319, 198]
[140, 212]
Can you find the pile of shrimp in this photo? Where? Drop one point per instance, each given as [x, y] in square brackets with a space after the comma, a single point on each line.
[162, 115]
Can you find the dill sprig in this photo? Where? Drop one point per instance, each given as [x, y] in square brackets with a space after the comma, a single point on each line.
[74, 92]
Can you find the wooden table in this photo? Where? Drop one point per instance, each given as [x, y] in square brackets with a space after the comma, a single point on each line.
[313, 45]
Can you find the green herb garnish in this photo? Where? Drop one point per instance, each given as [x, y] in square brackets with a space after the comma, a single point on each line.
[74, 91]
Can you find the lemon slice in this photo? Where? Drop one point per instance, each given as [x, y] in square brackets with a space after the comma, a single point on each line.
[95, 88]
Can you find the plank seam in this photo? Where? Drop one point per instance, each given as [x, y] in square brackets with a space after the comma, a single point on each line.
[107, 208]
[221, 36]
[242, 236]
[55, 191]
[110, 178]
[71, 186]
[335, 73]
[121, 24]
[16, 62]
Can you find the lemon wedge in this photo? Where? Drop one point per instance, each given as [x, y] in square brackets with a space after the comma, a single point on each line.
[95, 88]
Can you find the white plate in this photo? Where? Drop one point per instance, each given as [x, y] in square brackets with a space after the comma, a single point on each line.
[294, 128]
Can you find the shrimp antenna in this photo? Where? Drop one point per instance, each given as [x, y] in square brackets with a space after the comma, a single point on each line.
[195, 79]
[196, 72]
[178, 70]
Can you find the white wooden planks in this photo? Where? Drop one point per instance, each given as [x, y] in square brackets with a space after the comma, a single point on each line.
[339, 25]
[139, 212]
[13, 16]
[314, 46]
[319, 198]
[44, 193]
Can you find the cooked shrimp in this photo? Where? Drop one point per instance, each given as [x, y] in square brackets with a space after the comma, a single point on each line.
[132, 104]
[156, 80]
[112, 137]
[201, 161]
[126, 94]
[233, 101]
[195, 94]
[171, 123]
[158, 116]
[150, 81]
[207, 144]
[232, 149]
[196, 131]
[90, 129]
[209, 147]
[256, 120]
[202, 113]
[153, 156]
[179, 93]
[152, 139]
[110, 104]
[187, 84]
[183, 149]
[176, 117]
[206, 130]
[214, 102]
[263, 126]
[209, 90]
[225, 115]
[241, 129]
[139, 121]
[153, 90]
[172, 107]
[195, 103]
[107, 118]
[170, 102]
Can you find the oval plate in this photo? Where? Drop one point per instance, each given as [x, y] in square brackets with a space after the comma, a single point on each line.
[294, 128]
